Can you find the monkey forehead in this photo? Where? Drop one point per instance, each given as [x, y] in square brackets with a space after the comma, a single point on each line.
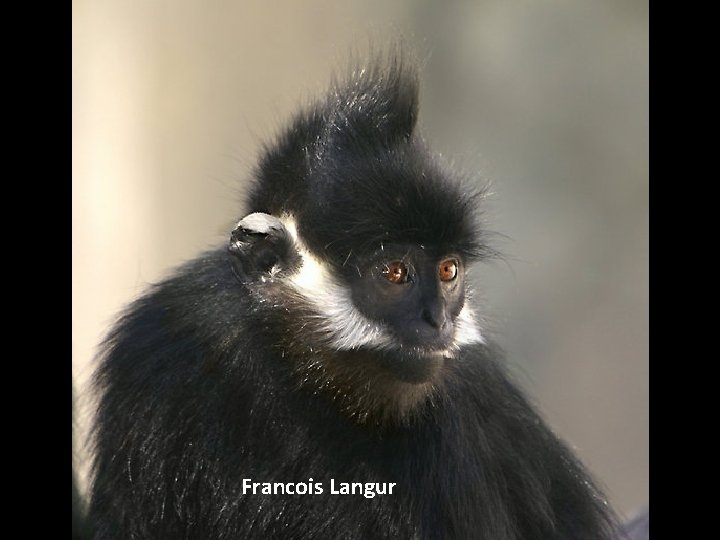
[361, 210]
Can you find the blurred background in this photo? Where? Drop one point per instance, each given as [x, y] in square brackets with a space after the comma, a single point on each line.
[546, 101]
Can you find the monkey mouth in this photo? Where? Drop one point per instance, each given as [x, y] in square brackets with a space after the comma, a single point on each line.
[426, 340]
[430, 350]
[414, 365]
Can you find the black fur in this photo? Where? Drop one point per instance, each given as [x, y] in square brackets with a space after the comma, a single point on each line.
[209, 379]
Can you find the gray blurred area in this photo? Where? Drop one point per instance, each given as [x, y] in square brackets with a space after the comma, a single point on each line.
[545, 101]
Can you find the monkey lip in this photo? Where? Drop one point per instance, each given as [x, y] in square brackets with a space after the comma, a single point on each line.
[423, 352]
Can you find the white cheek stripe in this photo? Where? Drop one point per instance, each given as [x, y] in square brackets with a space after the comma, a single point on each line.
[466, 328]
[346, 326]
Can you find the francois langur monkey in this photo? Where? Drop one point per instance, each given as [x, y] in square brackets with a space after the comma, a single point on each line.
[323, 374]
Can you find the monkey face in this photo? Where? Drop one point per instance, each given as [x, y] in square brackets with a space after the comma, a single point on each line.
[405, 302]
[416, 293]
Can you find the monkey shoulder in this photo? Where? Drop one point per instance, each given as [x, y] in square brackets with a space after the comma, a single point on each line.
[198, 320]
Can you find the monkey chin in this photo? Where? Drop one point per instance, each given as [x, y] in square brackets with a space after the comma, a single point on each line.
[379, 387]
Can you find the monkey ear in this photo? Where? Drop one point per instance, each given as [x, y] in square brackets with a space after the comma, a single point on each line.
[260, 246]
[375, 105]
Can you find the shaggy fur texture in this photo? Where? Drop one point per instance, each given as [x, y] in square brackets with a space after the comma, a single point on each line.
[215, 376]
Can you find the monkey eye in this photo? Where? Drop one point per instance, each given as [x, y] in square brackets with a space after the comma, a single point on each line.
[396, 272]
[447, 270]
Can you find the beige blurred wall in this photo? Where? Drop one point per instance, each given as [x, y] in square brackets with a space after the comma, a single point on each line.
[171, 100]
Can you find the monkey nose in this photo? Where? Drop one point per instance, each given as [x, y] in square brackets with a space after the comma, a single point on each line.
[434, 316]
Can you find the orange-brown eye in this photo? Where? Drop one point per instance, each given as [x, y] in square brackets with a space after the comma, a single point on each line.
[396, 272]
[447, 271]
